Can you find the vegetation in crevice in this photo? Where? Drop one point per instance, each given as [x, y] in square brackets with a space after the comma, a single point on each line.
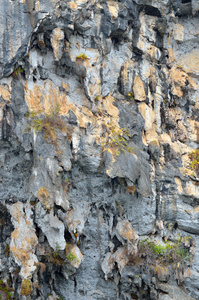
[71, 257]
[7, 290]
[165, 253]
[17, 72]
[81, 56]
[49, 124]
[26, 287]
[118, 138]
[194, 161]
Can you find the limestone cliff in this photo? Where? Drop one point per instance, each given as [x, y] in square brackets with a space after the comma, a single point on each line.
[99, 169]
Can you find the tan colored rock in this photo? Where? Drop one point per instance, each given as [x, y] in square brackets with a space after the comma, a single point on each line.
[56, 38]
[121, 257]
[66, 87]
[190, 62]
[126, 231]
[77, 217]
[178, 32]
[108, 104]
[149, 116]
[5, 93]
[192, 83]
[179, 185]
[163, 273]
[192, 190]
[44, 97]
[171, 56]
[72, 5]
[138, 89]
[113, 8]
[178, 80]
[23, 238]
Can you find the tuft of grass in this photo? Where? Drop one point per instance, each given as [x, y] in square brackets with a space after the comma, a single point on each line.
[17, 72]
[166, 253]
[49, 124]
[81, 56]
[26, 287]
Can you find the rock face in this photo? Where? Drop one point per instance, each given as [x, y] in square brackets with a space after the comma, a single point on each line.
[99, 105]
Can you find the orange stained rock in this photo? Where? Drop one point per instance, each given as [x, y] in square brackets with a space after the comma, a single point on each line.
[171, 55]
[178, 79]
[23, 238]
[20, 254]
[125, 229]
[162, 273]
[113, 9]
[72, 5]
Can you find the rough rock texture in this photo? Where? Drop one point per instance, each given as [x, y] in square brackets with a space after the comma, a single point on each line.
[99, 105]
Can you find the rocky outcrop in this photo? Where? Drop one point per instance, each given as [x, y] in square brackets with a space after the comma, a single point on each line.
[99, 114]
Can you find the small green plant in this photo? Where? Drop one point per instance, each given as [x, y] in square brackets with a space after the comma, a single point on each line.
[118, 138]
[131, 95]
[194, 160]
[56, 254]
[18, 71]
[9, 291]
[59, 298]
[166, 252]
[81, 57]
[71, 257]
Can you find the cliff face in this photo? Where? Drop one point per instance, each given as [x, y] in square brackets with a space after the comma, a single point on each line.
[99, 129]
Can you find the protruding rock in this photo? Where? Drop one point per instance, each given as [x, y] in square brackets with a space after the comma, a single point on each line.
[74, 255]
[51, 226]
[23, 238]
[56, 41]
[138, 89]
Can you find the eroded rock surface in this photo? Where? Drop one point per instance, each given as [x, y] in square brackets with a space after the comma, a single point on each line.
[99, 105]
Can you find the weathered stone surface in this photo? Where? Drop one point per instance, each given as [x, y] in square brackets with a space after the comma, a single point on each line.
[23, 239]
[138, 89]
[74, 255]
[99, 111]
[52, 228]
